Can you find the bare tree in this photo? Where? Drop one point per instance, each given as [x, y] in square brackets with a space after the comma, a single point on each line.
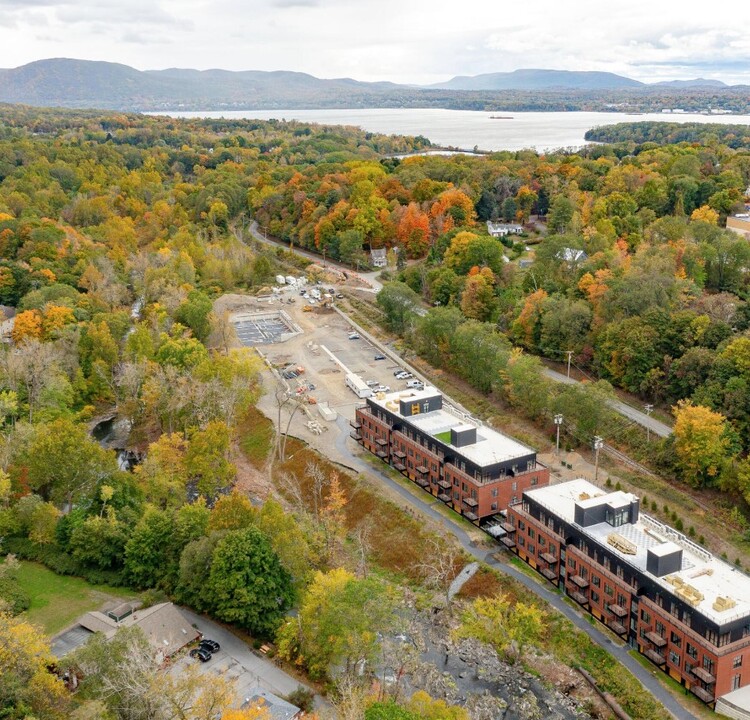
[438, 568]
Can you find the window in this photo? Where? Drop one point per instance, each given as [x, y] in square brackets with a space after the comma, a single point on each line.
[645, 617]
[571, 563]
[494, 492]
[532, 549]
[660, 628]
[737, 662]
[542, 541]
[691, 651]
[521, 525]
[532, 534]
[595, 581]
[736, 682]
[622, 600]
[674, 658]
[708, 664]
[455, 482]
[493, 506]
[594, 596]
[608, 589]
[514, 486]
[535, 480]
[521, 541]
[675, 639]
[456, 495]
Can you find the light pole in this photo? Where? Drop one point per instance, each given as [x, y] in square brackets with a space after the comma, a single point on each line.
[649, 408]
[558, 422]
[598, 445]
[570, 355]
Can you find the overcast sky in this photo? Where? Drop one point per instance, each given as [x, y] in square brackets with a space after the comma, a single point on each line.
[417, 41]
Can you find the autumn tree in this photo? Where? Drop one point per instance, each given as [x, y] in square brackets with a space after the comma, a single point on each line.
[478, 297]
[207, 458]
[701, 442]
[508, 627]
[413, 231]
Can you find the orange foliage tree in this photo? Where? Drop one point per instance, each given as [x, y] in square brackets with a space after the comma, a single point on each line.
[27, 325]
[413, 231]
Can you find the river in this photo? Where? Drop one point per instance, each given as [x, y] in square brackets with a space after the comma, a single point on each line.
[467, 129]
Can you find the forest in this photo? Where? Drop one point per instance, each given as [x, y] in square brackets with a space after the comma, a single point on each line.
[117, 233]
[669, 133]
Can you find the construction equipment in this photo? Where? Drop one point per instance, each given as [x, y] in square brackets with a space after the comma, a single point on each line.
[307, 308]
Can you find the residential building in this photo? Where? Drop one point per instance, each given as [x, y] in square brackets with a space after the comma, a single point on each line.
[687, 611]
[497, 229]
[740, 224]
[572, 256]
[379, 257]
[164, 626]
[257, 698]
[472, 468]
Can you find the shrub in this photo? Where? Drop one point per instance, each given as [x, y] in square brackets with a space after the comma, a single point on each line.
[303, 698]
[14, 595]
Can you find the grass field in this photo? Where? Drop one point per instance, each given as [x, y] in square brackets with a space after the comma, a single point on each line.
[57, 600]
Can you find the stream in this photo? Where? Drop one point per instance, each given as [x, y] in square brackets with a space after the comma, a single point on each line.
[113, 434]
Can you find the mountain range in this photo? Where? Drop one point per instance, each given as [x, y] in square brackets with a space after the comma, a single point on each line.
[83, 83]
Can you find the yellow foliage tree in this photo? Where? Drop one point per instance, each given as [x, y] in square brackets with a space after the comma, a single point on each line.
[27, 326]
[706, 214]
[701, 442]
[55, 318]
[28, 686]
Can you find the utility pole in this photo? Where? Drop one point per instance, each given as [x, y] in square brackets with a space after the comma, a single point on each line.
[558, 422]
[649, 408]
[570, 355]
[324, 256]
[598, 445]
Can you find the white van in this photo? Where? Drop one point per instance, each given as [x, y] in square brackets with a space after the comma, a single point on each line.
[414, 384]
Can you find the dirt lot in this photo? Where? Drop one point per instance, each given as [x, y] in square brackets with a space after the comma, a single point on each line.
[322, 329]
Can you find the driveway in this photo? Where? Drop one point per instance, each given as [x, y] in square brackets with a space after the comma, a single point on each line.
[236, 660]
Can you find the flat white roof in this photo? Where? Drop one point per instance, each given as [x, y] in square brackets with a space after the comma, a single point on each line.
[491, 446]
[709, 576]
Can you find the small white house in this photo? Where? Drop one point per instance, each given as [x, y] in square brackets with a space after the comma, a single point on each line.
[378, 257]
[502, 229]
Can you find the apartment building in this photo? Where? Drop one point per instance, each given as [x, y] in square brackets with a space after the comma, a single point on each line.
[474, 469]
[687, 611]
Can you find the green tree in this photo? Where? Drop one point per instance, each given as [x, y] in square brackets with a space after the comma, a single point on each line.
[195, 313]
[99, 542]
[247, 584]
[507, 627]
[340, 618]
[148, 552]
[206, 459]
[400, 305]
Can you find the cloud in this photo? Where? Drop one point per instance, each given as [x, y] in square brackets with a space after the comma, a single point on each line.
[295, 3]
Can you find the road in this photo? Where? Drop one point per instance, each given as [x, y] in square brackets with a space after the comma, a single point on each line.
[544, 591]
[236, 660]
[369, 278]
[656, 427]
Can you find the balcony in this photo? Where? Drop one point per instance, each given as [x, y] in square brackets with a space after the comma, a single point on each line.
[423, 482]
[470, 516]
[508, 527]
[508, 542]
[444, 484]
[399, 466]
[422, 470]
[400, 455]
[617, 627]
[618, 610]
[580, 598]
[471, 502]
[381, 441]
[549, 558]
[702, 693]
[655, 657]
[356, 425]
[703, 674]
[656, 639]
[382, 454]
[355, 436]
[580, 581]
[551, 575]
[444, 497]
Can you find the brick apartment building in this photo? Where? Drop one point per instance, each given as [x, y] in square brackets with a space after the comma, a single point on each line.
[687, 611]
[473, 469]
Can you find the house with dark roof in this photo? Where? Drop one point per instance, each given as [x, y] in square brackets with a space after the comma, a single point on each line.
[257, 698]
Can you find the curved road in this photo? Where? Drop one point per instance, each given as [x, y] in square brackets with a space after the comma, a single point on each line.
[370, 278]
[656, 427]
[545, 592]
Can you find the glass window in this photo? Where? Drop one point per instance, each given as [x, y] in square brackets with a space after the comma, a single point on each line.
[737, 662]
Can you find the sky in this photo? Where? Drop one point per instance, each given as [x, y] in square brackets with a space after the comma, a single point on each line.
[405, 41]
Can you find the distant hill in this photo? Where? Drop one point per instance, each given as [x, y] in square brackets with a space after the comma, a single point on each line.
[540, 80]
[62, 82]
[697, 83]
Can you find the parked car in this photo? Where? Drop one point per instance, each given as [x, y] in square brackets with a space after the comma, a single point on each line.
[416, 384]
[404, 375]
[354, 336]
[382, 388]
[372, 383]
[211, 645]
[398, 371]
[380, 357]
[200, 654]
[339, 296]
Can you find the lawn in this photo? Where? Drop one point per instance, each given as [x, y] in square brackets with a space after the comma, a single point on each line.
[57, 600]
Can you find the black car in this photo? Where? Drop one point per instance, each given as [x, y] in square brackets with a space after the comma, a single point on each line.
[380, 357]
[210, 645]
[201, 653]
